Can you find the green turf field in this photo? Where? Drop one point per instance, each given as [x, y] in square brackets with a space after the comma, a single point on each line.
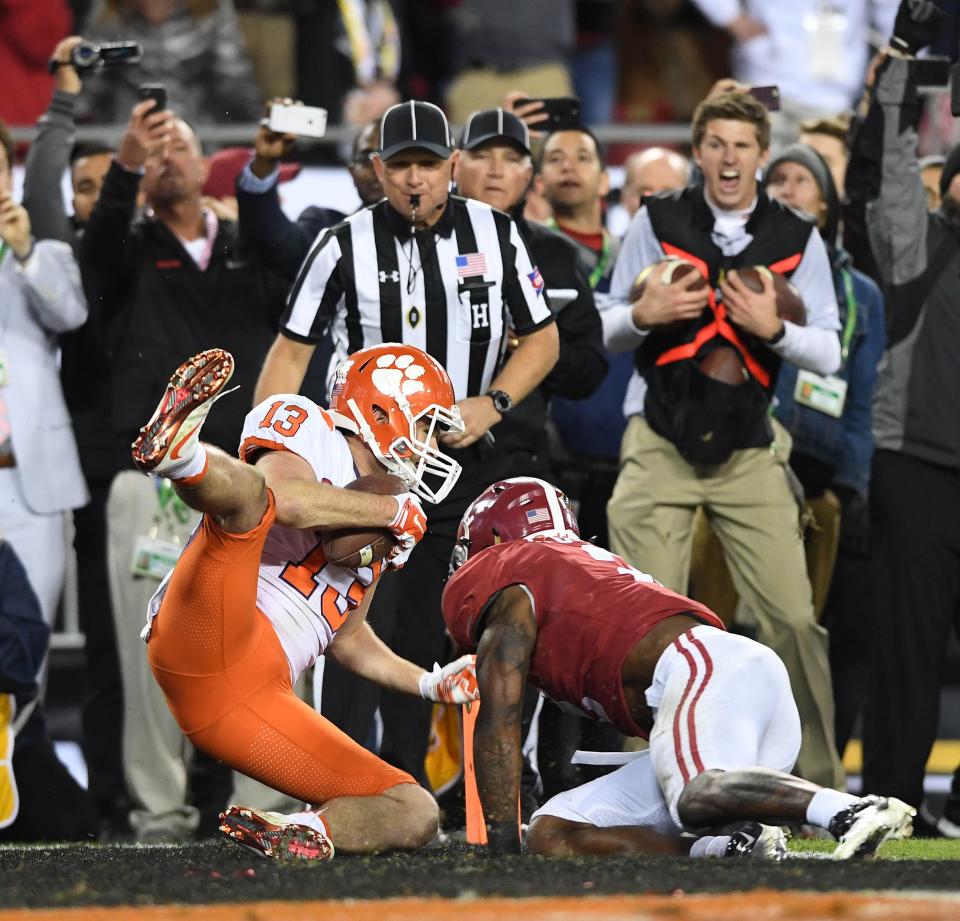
[910, 849]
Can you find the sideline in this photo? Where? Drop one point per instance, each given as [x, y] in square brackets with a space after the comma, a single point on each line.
[760, 905]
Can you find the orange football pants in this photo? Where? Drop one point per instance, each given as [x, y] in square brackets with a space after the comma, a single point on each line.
[227, 681]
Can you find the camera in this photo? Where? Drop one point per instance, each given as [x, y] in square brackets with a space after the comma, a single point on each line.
[87, 56]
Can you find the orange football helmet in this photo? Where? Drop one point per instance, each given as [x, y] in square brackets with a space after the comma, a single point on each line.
[384, 394]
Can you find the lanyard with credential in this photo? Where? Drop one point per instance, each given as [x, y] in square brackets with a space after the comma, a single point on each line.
[851, 323]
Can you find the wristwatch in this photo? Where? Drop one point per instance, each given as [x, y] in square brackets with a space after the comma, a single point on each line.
[502, 402]
[778, 335]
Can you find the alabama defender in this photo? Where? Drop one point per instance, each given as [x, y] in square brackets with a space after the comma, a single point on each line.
[540, 604]
[252, 600]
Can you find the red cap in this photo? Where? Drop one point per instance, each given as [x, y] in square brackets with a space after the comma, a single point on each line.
[227, 164]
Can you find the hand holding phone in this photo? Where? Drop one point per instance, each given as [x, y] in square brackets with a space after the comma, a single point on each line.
[298, 119]
[562, 112]
[767, 96]
[155, 91]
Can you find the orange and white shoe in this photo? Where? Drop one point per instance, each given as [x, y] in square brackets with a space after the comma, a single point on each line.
[169, 441]
[273, 835]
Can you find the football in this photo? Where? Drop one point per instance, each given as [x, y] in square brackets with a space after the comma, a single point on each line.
[357, 547]
[676, 270]
[724, 364]
[789, 302]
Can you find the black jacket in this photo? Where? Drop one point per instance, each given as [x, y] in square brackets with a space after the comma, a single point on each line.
[279, 243]
[582, 363]
[153, 307]
[917, 257]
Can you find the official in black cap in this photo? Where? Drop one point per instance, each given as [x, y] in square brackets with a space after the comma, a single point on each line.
[452, 277]
[494, 167]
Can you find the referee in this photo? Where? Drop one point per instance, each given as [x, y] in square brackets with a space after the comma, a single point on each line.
[450, 276]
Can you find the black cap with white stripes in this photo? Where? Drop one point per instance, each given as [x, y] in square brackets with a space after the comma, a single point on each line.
[488, 124]
[414, 124]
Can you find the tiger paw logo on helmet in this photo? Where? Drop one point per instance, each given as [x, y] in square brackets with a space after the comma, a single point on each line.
[398, 374]
[399, 400]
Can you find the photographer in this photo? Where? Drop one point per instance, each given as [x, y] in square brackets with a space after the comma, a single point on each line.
[84, 375]
[915, 482]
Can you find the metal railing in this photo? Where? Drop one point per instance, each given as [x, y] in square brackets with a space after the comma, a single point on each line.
[243, 134]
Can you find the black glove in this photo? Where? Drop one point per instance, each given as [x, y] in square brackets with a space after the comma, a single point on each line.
[916, 26]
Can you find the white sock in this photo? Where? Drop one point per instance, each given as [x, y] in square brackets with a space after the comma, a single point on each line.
[826, 804]
[710, 846]
[190, 466]
[312, 820]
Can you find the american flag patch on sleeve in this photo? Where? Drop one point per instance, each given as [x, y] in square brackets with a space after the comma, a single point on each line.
[471, 264]
[536, 515]
[536, 279]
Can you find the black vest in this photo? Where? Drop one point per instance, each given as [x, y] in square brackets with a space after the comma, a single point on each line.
[706, 419]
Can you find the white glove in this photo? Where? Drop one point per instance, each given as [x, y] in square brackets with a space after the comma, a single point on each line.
[397, 558]
[410, 522]
[455, 683]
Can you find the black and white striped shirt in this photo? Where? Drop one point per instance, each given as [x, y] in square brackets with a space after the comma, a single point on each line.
[452, 290]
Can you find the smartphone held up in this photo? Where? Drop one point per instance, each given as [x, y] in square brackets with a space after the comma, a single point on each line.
[563, 112]
[301, 120]
[155, 91]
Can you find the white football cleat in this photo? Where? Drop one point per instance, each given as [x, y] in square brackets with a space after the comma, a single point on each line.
[761, 842]
[863, 827]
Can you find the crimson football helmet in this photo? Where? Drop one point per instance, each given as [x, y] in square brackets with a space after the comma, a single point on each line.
[397, 399]
[516, 509]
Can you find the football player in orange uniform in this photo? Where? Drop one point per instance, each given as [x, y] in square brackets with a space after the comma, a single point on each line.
[253, 601]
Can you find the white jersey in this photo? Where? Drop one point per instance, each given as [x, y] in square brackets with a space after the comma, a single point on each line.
[306, 598]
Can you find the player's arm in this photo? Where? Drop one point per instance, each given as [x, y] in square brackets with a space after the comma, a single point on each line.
[303, 502]
[358, 648]
[503, 657]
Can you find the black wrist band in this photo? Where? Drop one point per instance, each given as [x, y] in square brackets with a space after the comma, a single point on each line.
[777, 336]
[503, 838]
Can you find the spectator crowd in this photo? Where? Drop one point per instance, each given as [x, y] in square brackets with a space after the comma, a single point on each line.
[746, 396]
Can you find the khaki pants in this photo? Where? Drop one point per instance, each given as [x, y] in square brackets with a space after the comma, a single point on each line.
[710, 580]
[754, 514]
[155, 753]
[271, 43]
[484, 89]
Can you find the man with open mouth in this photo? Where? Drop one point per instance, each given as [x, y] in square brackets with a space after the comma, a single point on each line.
[697, 438]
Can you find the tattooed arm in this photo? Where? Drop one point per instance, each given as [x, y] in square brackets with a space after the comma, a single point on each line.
[503, 656]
